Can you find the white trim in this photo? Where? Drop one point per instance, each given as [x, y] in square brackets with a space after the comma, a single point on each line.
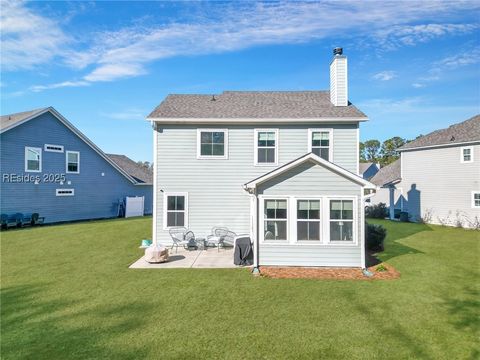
[261, 221]
[77, 132]
[473, 142]
[362, 230]
[317, 159]
[462, 155]
[354, 221]
[185, 211]
[294, 212]
[155, 184]
[358, 151]
[64, 192]
[49, 148]
[212, 157]
[401, 166]
[66, 161]
[330, 140]
[324, 221]
[256, 120]
[255, 146]
[474, 192]
[39, 162]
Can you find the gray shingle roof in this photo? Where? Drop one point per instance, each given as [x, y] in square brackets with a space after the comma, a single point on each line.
[466, 131]
[138, 172]
[387, 174]
[364, 166]
[254, 105]
[8, 120]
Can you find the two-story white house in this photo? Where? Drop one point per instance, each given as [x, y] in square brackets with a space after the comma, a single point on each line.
[281, 166]
[437, 178]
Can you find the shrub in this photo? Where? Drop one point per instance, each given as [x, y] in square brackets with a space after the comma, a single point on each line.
[375, 235]
[378, 211]
[381, 268]
[403, 216]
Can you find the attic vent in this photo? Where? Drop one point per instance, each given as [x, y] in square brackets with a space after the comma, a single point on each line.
[452, 138]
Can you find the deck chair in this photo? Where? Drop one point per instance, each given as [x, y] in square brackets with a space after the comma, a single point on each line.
[37, 219]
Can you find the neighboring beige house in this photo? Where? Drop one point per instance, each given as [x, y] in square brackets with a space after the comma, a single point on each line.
[437, 179]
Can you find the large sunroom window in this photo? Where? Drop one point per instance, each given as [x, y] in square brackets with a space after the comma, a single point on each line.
[341, 220]
[275, 219]
[308, 220]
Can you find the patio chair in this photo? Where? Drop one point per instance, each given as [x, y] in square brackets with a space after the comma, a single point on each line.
[37, 219]
[221, 237]
[8, 221]
[179, 237]
[27, 219]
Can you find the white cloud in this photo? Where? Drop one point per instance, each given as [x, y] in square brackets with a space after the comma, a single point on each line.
[463, 58]
[418, 85]
[220, 27]
[385, 75]
[38, 88]
[28, 39]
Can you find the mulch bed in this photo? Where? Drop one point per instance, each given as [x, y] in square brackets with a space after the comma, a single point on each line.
[329, 273]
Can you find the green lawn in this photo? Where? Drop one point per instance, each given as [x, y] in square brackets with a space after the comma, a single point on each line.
[67, 293]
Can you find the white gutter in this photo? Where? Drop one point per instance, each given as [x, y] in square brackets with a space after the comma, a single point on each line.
[256, 120]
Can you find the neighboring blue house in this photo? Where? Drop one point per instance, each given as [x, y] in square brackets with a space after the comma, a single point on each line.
[48, 166]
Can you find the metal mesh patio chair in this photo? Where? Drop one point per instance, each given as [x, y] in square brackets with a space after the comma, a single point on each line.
[178, 235]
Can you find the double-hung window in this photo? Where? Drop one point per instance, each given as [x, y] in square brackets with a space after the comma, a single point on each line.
[308, 220]
[341, 220]
[275, 219]
[212, 143]
[466, 154]
[266, 146]
[476, 199]
[320, 143]
[175, 207]
[33, 159]
[72, 162]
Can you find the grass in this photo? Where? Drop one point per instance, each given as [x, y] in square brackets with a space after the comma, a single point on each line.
[67, 293]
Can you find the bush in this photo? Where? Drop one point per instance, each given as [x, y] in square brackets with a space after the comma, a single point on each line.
[378, 211]
[404, 216]
[375, 235]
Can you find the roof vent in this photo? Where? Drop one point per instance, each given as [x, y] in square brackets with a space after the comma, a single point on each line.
[338, 51]
[213, 98]
[452, 138]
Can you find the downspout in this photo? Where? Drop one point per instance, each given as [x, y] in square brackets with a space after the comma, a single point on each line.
[254, 227]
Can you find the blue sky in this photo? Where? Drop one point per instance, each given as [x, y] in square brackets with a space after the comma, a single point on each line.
[413, 66]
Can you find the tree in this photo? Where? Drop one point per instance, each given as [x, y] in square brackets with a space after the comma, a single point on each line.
[361, 149]
[147, 165]
[388, 151]
[371, 150]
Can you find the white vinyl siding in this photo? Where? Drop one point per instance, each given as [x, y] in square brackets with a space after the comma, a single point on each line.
[212, 144]
[266, 147]
[72, 162]
[33, 159]
[216, 196]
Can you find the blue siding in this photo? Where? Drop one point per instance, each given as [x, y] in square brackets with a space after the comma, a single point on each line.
[96, 196]
[371, 171]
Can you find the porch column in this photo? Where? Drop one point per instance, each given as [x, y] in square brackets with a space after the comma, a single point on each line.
[254, 228]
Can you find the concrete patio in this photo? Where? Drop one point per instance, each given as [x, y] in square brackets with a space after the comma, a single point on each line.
[206, 259]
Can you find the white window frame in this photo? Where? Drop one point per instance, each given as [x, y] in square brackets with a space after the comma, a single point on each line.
[475, 192]
[462, 156]
[262, 219]
[61, 192]
[212, 157]
[330, 141]
[255, 147]
[26, 159]
[354, 220]
[321, 220]
[47, 147]
[66, 162]
[165, 206]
